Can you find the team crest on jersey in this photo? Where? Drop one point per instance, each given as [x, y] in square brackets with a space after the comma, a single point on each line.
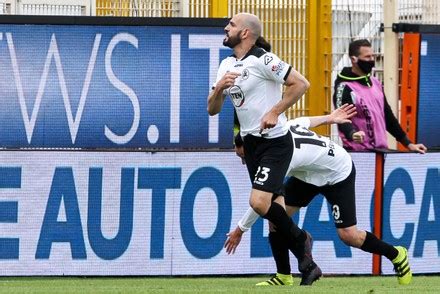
[237, 95]
[267, 59]
[245, 74]
[278, 68]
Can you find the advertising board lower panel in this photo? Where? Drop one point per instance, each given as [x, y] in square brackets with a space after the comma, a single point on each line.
[163, 213]
[411, 209]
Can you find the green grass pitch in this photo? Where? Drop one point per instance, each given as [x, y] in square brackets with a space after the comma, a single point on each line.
[344, 285]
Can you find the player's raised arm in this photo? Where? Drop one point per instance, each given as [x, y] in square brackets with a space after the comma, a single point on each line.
[340, 115]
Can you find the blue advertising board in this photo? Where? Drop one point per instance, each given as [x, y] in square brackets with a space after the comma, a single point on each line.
[428, 131]
[149, 213]
[411, 209]
[104, 86]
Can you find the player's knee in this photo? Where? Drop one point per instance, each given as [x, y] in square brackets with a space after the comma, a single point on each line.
[346, 238]
[349, 236]
[259, 206]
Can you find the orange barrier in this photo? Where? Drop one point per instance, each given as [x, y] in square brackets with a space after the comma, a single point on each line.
[410, 85]
[378, 196]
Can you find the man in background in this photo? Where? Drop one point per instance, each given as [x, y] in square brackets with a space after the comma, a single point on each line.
[355, 85]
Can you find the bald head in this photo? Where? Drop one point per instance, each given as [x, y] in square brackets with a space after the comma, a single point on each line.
[251, 22]
[242, 33]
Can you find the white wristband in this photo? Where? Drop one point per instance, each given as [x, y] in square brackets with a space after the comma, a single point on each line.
[248, 219]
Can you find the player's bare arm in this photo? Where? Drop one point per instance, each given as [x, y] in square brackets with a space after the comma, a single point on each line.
[296, 86]
[216, 97]
[340, 115]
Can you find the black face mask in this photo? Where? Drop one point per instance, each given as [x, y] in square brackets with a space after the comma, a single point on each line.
[365, 66]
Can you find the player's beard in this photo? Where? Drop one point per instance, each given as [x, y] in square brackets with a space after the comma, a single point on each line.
[232, 41]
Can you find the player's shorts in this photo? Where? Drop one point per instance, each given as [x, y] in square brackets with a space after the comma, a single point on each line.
[341, 196]
[267, 161]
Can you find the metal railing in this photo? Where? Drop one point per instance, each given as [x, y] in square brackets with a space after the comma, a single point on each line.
[46, 7]
[140, 8]
[6, 7]
[354, 19]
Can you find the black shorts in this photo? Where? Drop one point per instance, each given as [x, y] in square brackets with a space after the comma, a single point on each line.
[267, 161]
[341, 196]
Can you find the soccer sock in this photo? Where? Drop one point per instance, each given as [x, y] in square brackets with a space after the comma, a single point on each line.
[374, 245]
[280, 253]
[285, 226]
